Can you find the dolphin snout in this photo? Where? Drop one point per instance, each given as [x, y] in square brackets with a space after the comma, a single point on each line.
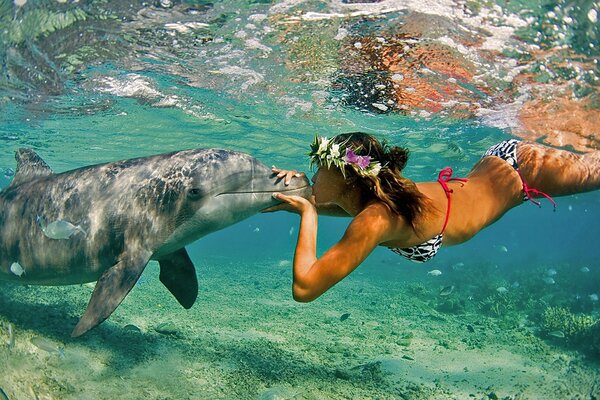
[269, 183]
[299, 186]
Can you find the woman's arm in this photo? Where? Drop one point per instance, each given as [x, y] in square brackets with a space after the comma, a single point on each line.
[314, 276]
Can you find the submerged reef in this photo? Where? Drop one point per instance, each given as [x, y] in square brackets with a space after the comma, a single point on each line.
[556, 319]
[580, 330]
[521, 300]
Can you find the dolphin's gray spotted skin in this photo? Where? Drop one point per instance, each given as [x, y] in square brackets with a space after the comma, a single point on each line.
[131, 211]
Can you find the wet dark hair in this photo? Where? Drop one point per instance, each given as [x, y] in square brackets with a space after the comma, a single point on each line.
[399, 193]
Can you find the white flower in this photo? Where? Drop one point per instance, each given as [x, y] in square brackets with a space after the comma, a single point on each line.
[323, 144]
[374, 169]
[335, 150]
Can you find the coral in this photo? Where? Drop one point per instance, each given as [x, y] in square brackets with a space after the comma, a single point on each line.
[497, 305]
[561, 319]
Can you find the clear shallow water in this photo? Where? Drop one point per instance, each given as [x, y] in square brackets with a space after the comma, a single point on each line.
[88, 82]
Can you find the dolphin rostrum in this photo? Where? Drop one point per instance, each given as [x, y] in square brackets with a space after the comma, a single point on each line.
[109, 220]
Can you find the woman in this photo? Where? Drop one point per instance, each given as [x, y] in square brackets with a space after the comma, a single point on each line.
[360, 177]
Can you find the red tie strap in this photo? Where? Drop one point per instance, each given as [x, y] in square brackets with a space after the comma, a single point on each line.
[527, 190]
[444, 177]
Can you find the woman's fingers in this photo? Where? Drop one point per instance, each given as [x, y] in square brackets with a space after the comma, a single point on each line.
[296, 202]
[281, 197]
[293, 204]
[286, 174]
[286, 199]
[290, 175]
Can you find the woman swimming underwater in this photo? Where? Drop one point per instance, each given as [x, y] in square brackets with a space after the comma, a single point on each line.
[360, 177]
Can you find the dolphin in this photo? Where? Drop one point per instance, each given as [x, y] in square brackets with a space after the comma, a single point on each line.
[116, 217]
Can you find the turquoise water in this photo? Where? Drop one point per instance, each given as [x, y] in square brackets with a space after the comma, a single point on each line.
[86, 82]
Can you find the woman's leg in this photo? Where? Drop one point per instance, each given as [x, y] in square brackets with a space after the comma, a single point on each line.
[558, 172]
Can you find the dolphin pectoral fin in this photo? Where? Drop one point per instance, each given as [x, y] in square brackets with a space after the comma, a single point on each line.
[110, 290]
[178, 274]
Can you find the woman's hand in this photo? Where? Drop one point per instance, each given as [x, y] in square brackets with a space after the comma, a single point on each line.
[286, 174]
[293, 203]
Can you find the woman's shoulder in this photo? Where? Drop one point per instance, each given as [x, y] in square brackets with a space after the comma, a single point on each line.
[378, 216]
[379, 209]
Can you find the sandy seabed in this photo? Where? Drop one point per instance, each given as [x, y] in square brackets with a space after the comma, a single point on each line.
[246, 338]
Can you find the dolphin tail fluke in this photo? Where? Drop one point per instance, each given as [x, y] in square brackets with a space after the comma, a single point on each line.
[110, 290]
[178, 274]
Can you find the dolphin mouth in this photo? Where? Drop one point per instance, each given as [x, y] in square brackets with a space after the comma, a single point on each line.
[267, 191]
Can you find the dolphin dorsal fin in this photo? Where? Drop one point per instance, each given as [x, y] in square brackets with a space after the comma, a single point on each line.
[29, 166]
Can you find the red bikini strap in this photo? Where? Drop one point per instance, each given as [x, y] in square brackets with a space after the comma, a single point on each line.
[529, 190]
[444, 177]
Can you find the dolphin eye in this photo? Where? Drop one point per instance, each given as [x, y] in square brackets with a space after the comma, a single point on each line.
[194, 193]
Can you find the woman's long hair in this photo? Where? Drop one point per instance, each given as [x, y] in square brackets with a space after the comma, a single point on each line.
[399, 193]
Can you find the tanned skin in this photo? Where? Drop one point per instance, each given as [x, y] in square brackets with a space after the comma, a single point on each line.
[493, 188]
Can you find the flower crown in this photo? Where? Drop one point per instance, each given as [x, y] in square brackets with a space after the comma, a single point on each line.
[324, 151]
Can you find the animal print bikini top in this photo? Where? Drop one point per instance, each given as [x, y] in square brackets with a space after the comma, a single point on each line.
[427, 250]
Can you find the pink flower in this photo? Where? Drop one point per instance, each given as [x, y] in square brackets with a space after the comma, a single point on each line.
[352, 158]
[364, 161]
